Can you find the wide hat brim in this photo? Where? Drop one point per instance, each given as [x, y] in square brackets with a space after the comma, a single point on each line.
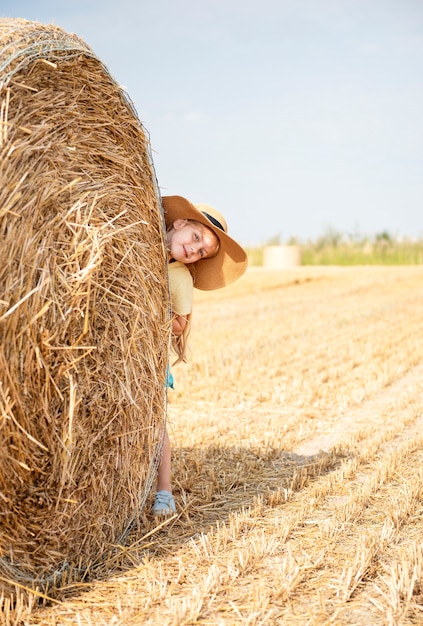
[224, 268]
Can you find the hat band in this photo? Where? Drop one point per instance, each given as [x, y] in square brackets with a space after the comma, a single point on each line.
[213, 220]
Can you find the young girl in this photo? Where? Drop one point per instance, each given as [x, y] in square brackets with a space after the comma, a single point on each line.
[201, 254]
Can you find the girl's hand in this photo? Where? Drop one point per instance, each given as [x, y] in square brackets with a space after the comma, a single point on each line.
[178, 325]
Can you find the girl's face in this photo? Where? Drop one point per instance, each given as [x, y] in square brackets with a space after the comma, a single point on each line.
[189, 242]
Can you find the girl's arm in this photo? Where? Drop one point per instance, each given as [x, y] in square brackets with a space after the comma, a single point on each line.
[178, 325]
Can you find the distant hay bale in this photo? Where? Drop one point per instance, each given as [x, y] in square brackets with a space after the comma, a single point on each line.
[279, 257]
[83, 309]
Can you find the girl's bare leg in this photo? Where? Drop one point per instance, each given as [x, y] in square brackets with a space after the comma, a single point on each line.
[164, 471]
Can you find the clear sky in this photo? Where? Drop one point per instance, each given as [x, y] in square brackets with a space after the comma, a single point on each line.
[290, 116]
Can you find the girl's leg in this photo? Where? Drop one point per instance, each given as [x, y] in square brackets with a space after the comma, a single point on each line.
[164, 471]
[164, 504]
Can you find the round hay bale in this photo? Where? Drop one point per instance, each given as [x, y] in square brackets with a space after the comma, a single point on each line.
[279, 257]
[84, 317]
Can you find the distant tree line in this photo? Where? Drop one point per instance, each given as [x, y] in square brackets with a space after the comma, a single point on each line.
[336, 248]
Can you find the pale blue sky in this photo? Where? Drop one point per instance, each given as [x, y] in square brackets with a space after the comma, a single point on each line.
[290, 116]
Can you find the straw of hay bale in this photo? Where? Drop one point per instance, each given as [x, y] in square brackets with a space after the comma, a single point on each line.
[279, 257]
[84, 328]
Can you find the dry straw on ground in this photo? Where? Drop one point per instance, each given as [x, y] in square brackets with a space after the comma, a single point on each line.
[297, 454]
[83, 310]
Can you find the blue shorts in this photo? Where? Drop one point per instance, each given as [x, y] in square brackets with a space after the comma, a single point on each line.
[169, 378]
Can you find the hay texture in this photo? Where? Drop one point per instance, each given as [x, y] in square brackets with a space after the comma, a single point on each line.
[83, 309]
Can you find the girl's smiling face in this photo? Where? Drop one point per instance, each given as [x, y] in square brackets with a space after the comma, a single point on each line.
[189, 241]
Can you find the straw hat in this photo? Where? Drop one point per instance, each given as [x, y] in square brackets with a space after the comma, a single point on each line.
[231, 260]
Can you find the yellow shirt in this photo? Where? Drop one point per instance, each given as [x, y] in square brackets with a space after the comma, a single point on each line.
[181, 288]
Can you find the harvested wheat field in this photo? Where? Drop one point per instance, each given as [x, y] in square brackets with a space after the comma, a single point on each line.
[297, 454]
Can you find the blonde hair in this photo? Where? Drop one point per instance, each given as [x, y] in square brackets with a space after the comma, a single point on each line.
[180, 342]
